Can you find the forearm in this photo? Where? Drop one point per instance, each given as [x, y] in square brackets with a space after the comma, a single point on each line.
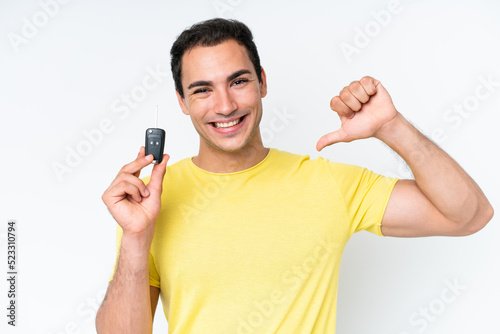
[447, 186]
[126, 307]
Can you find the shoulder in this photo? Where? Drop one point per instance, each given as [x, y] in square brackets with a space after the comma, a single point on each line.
[345, 176]
[301, 166]
[304, 161]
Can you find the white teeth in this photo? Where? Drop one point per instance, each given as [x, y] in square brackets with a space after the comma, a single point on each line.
[226, 125]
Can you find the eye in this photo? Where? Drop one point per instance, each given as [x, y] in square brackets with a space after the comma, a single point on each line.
[240, 81]
[200, 90]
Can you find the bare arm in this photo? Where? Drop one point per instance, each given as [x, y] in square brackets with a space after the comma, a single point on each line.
[443, 199]
[126, 306]
[129, 300]
[154, 292]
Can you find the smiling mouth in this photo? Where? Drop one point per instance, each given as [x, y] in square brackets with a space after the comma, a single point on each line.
[228, 124]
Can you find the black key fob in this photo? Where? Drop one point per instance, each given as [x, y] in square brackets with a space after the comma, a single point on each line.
[155, 143]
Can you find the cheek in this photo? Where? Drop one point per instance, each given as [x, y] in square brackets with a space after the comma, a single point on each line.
[248, 98]
[199, 108]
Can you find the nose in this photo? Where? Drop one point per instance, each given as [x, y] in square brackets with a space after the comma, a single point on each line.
[224, 102]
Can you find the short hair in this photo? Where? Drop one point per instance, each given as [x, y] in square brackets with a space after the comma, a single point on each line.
[210, 33]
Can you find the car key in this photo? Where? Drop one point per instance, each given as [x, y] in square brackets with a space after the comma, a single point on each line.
[155, 141]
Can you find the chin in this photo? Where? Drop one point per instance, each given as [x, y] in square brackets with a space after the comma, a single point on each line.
[231, 148]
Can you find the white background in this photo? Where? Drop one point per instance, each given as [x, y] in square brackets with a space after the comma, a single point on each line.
[67, 74]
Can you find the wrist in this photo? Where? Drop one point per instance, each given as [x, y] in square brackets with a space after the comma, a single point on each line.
[136, 244]
[394, 130]
[133, 260]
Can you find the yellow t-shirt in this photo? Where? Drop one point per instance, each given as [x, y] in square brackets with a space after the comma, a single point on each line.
[259, 251]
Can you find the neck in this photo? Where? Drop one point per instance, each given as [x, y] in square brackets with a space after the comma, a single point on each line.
[216, 161]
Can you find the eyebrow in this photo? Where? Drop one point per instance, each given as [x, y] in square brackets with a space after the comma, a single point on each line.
[210, 83]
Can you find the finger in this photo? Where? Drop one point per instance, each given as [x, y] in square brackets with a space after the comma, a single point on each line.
[340, 108]
[135, 181]
[349, 100]
[369, 85]
[142, 153]
[124, 189]
[332, 138]
[359, 92]
[156, 182]
[139, 163]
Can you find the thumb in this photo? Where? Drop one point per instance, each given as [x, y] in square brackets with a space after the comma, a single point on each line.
[332, 138]
[156, 182]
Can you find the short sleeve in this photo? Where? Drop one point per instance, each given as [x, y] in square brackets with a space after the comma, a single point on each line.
[154, 278]
[365, 194]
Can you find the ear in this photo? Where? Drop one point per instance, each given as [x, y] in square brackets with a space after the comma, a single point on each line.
[263, 83]
[182, 103]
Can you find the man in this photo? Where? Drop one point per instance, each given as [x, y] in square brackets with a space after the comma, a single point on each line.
[246, 239]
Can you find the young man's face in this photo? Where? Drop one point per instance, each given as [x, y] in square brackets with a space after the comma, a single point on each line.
[222, 94]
